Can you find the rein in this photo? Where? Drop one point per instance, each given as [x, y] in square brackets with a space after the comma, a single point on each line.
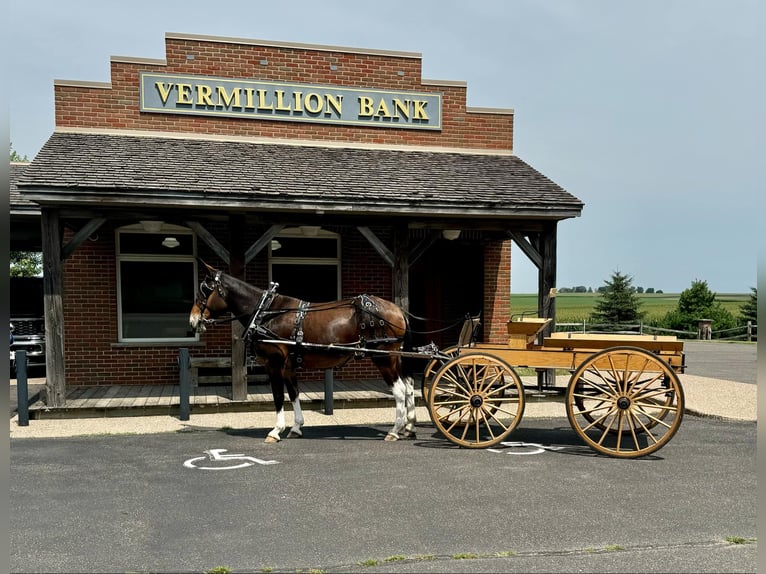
[263, 313]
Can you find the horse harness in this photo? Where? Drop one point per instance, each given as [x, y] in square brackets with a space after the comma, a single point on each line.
[369, 320]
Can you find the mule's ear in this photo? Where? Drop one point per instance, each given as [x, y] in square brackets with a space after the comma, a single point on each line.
[212, 270]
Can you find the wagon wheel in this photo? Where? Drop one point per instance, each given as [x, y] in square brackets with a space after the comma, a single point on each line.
[625, 402]
[432, 367]
[476, 400]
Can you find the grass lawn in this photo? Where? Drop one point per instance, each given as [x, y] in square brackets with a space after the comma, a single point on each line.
[576, 307]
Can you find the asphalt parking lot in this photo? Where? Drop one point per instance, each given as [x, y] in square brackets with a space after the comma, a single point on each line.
[344, 500]
[728, 361]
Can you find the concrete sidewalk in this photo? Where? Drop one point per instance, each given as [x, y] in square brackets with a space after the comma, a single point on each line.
[704, 397]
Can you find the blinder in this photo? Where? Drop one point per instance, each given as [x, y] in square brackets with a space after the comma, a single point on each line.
[206, 290]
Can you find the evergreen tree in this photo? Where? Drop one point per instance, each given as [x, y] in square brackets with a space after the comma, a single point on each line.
[618, 302]
[749, 309]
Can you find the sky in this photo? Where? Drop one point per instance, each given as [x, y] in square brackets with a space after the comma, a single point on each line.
[649, 111]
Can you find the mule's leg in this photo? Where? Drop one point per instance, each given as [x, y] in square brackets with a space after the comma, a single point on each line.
[409, 405]
[400, 395]
[294, 393]
[278, 392]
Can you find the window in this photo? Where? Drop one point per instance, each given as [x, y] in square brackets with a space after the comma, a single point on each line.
[156, 282]
[305, 261]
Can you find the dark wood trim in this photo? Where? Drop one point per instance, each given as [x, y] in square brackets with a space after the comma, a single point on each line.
[262, 242]
[377, 244]
[82, 234]
[237, 240]
[526, 246]
[401, 271]
[423, 246]
[546, 304]
[53, 280]
[210, 241]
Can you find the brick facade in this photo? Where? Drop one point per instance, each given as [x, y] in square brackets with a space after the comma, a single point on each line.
[117, 106]
[93, 355]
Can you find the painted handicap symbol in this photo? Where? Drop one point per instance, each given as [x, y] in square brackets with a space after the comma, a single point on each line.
[524, 448]
[228, 461]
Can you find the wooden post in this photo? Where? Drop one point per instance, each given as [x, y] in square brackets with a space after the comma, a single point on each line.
[184, 384]
[22, 389]
[237, 269]
[55, 381]
[705, 330]
[401, 267]
[546, 302]
[328, 385]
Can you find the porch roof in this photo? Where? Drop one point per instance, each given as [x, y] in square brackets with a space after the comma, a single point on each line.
[161, 170]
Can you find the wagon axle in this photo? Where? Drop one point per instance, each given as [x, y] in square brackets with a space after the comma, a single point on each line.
[623, 403]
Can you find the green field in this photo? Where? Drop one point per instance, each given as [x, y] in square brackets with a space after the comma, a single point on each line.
[576, 307]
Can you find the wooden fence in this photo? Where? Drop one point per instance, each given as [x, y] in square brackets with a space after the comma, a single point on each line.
[747, 332]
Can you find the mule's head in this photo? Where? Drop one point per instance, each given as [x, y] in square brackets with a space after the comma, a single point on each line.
[210, 302]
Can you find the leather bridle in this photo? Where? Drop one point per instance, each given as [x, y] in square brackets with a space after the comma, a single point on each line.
[205, 291]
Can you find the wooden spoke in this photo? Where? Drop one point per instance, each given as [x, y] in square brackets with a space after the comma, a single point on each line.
[476, 400]
[432, 367]
[625, 402]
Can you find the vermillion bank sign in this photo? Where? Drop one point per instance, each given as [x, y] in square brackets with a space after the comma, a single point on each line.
[210, 96]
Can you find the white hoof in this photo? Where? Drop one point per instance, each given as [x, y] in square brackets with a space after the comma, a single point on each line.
[390, 437]
[271, 439]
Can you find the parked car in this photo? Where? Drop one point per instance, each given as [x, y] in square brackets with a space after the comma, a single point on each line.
[27, 320]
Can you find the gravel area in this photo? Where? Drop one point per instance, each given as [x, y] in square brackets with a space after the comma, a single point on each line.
[704, 397]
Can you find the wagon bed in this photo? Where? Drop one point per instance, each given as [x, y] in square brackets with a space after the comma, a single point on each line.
[623, 398]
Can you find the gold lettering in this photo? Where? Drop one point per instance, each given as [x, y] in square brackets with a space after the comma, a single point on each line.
[184, 94]
[383, 109]
[228, 100]
[298, 99]
[203, 95]
[334, 102]
[313, 103]
[420, 110]
[163, 90]
[402, 107]
[249, 105]
[281, 102]
[365, 106]
[262, 101]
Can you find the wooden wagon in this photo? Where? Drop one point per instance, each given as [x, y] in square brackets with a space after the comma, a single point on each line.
[623, 396]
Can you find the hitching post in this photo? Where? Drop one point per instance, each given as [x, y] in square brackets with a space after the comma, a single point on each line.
[328, 391]
[22, 390]
[185, 383]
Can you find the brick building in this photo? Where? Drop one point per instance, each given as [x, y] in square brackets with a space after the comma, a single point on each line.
[334, 171]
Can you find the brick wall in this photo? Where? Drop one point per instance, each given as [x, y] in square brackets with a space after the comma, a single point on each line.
[118, 107]
[497, 291]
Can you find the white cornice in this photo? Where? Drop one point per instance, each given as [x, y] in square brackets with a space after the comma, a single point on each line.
[281, 141]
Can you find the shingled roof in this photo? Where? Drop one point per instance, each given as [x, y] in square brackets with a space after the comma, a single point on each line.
[120, 169]
[18, 203]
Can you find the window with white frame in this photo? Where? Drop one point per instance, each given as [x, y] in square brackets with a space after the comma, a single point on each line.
[305, 261]
[156, 282]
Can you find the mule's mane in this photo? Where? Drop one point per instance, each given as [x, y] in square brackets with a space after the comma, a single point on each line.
[257, 292]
